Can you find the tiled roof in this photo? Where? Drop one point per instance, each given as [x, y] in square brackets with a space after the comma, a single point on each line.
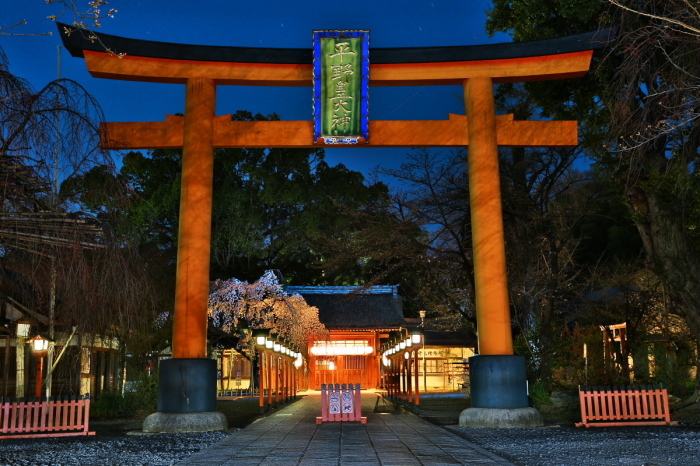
[350, 307]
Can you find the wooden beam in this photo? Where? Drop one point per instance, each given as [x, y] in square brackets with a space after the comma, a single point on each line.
[165, 70]
[402, 133]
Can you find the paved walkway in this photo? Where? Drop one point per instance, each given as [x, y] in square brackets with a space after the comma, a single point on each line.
[291, 437]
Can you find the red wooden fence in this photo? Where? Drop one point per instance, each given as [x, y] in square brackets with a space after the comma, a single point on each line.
[631, 406]
[42, 418]
[341, 403]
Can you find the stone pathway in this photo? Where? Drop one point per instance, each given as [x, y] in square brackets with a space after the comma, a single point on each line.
[292, 437]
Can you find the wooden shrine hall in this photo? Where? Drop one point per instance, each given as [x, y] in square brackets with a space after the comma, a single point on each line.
[357, 319]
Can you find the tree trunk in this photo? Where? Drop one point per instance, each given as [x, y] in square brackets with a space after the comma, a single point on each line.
[670, 252]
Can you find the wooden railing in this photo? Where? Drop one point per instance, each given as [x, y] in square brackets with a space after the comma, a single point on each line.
[44, 418]
[631, 406]
[341, 403]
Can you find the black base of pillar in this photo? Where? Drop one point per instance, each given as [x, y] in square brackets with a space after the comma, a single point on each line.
[187, 385]
[498, 381]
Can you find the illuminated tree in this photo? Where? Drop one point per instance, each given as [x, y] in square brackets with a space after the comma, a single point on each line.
[234, 305]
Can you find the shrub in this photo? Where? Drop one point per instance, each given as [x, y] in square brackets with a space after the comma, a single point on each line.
[139, 399]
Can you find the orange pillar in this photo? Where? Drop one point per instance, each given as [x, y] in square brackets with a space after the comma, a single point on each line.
[417, 391]
[491, 288]
[192, 280]
[409, 383]
[269, 365]
[261, 373]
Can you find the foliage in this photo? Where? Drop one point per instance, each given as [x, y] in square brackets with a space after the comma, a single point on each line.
[672, 364]
[638, 113]
[272, 208]
[138, 400]
[51, 135]
[67, 264]
[263, 304]
[540, 393]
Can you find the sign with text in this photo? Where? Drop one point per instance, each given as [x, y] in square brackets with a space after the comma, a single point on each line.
[341, 87]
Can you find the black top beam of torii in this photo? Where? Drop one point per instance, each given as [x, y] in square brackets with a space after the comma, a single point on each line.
[78, 40]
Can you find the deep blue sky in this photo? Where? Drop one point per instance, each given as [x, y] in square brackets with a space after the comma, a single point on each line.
[256, 23]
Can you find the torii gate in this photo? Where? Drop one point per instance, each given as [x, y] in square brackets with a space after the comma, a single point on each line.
[498, 377]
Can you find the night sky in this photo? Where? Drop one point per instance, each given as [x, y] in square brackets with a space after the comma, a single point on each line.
[259, 23]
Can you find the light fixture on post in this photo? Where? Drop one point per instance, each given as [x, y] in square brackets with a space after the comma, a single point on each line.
[40, 348]
[23, 327]
[416, 335]
[260, 337]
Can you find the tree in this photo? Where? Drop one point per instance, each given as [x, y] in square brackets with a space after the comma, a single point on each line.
[84, 15]
[68, 264]
[52, 134]
[646, 88]
[263, 304]
[272, 207]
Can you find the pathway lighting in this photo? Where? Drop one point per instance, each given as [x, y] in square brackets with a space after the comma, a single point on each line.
[260, 336]
[23, 326]
[416, 335]
[270, 342]
[402, 345]
[40, 347]
[409, 342]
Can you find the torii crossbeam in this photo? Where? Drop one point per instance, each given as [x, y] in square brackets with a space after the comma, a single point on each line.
[477, 68]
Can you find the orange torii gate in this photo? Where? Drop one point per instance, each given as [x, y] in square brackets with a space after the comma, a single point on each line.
[202, 68]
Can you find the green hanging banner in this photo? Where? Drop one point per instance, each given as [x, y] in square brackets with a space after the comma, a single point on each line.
[341, 84]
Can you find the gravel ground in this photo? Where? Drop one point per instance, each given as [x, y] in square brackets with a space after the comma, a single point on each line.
[153, 449]
[546, 446]
[564, 445]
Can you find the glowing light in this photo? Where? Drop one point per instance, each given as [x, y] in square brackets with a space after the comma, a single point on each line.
[341, 348]
[40, 344]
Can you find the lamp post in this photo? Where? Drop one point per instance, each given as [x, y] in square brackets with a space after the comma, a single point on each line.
[425, 371]
[260, 340]
[417, 337]
[21, 332]
[40, 347]
[269, 346]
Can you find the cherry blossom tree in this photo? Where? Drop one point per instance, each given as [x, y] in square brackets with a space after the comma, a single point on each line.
[235, 304]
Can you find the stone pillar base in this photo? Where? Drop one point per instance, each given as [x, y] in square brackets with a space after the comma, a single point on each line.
[187, 385]
[184, 422]
[495, 417]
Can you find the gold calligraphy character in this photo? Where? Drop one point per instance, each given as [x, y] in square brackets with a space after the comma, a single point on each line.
[341, 49]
